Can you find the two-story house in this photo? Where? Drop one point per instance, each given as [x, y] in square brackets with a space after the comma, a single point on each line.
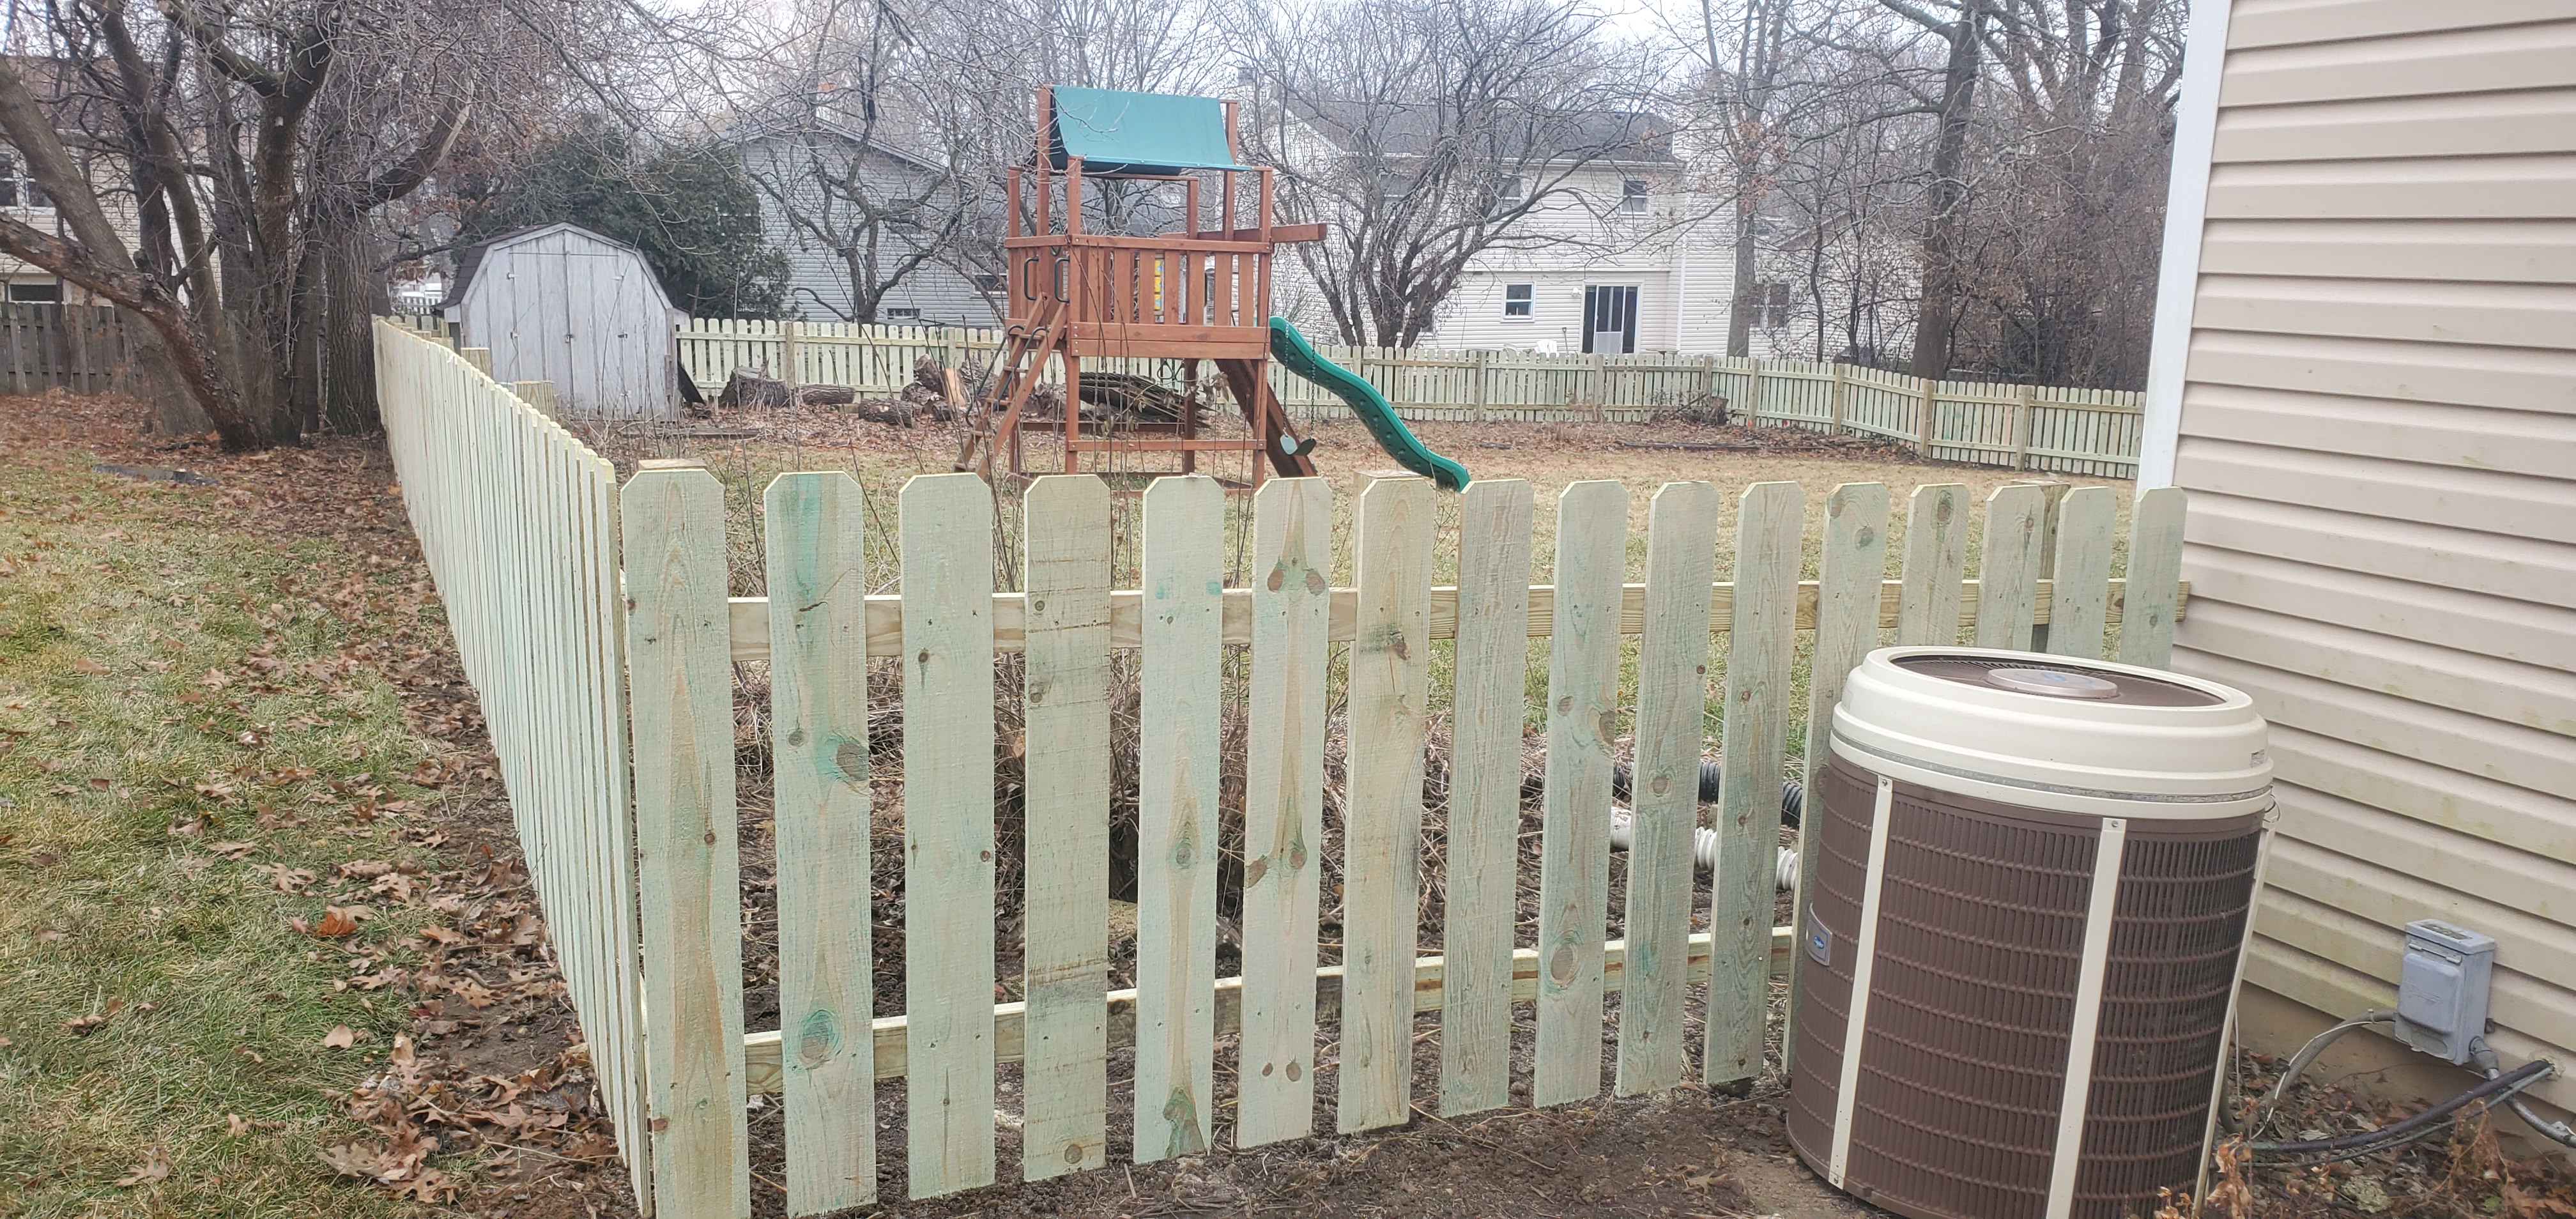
[860, 215]
[1598, 241]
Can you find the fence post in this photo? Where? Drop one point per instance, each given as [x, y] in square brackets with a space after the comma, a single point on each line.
[1835, 410]
[1923, 422]
[1753, 394]
[788, 365]
[2021, 428]
[539, 395]
[1708, 380]
[1484, 382]
[479, 357]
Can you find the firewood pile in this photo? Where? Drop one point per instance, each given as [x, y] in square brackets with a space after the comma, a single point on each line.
[934, 393]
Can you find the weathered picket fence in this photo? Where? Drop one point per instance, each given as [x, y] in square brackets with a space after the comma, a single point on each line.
[525, 535]
[82, 348]
[2076, 431]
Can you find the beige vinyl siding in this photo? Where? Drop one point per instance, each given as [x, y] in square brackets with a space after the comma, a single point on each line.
[2378, 430]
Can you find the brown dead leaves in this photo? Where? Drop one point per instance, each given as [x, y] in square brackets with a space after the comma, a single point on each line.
[340, 920]
[155, 1167]
[400, 1163]
[83, 1026]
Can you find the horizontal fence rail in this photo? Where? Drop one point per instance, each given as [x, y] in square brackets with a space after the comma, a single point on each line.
[2047, 564]
[597, 626]
[2075, 431]
[749, 616]
[86, 349]
[518, 523]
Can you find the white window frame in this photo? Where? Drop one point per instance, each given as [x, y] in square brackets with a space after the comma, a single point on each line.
[1528, 304]
[22, 185]
[1633, 202]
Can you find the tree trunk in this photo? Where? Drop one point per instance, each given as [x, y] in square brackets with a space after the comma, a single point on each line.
[1938, 314]
[1739, 322]
[353, 293]
[158, 383]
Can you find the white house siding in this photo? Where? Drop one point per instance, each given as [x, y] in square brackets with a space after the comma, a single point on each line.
[2378, 431]
[566, 305]
[1683, 273]
[818, 279]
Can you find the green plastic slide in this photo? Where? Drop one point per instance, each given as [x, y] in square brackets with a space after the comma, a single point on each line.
[1291, 349]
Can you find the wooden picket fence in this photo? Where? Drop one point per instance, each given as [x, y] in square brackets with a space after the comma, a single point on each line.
[82, 348]
[2024, 427]
[518, 522]
[818, 627]
[526, 537]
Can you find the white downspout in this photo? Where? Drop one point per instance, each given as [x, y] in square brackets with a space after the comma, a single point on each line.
[2186, 209]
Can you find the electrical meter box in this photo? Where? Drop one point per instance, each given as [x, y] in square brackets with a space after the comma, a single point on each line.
[2442, 988]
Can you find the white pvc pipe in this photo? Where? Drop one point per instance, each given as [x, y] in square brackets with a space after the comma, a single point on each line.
[1703, 849]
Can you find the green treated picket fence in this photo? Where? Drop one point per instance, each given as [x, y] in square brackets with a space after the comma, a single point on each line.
[553, 583]
[2024, 427]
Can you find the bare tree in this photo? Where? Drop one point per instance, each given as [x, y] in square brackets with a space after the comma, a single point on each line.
[1431, 132]
[252, 145]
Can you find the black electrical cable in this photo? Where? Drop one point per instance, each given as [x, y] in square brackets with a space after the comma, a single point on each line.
[2406, 1131]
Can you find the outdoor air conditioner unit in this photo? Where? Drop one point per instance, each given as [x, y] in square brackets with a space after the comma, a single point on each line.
[2026, 915]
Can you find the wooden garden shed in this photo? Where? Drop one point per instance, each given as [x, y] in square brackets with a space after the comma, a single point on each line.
[563, 304]
[2365, 376]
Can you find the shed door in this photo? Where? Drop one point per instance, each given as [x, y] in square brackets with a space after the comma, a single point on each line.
[586, 318]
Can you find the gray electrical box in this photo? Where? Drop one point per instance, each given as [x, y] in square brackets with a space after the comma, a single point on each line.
[2442, 988]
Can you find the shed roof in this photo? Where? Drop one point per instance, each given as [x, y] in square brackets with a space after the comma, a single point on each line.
[471, 260]
[1404, 129]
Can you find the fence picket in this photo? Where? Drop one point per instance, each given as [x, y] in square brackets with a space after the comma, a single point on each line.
[818, 695]
[2008, 566]
[1936, 552]
[1663, 794]
[1390, 675]
[1582, 720]
[1850, 565]
[1065, 1083]
[1761, 644]
[2080, 588]
[681, 683]
[1176, 811]
[947, 562]
[519, 523]
[1283, 815]
[1486, 712]
[2155, 567]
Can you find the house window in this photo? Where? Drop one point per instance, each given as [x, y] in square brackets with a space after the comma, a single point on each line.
[1509, 193]
[901, 313]
[1632, 196]
[1768, 305]
[36, 291]
[1516, 301]
[19, 190]
[988, 282]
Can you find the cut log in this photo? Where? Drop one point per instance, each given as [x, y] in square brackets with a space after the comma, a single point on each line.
[753, 389]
